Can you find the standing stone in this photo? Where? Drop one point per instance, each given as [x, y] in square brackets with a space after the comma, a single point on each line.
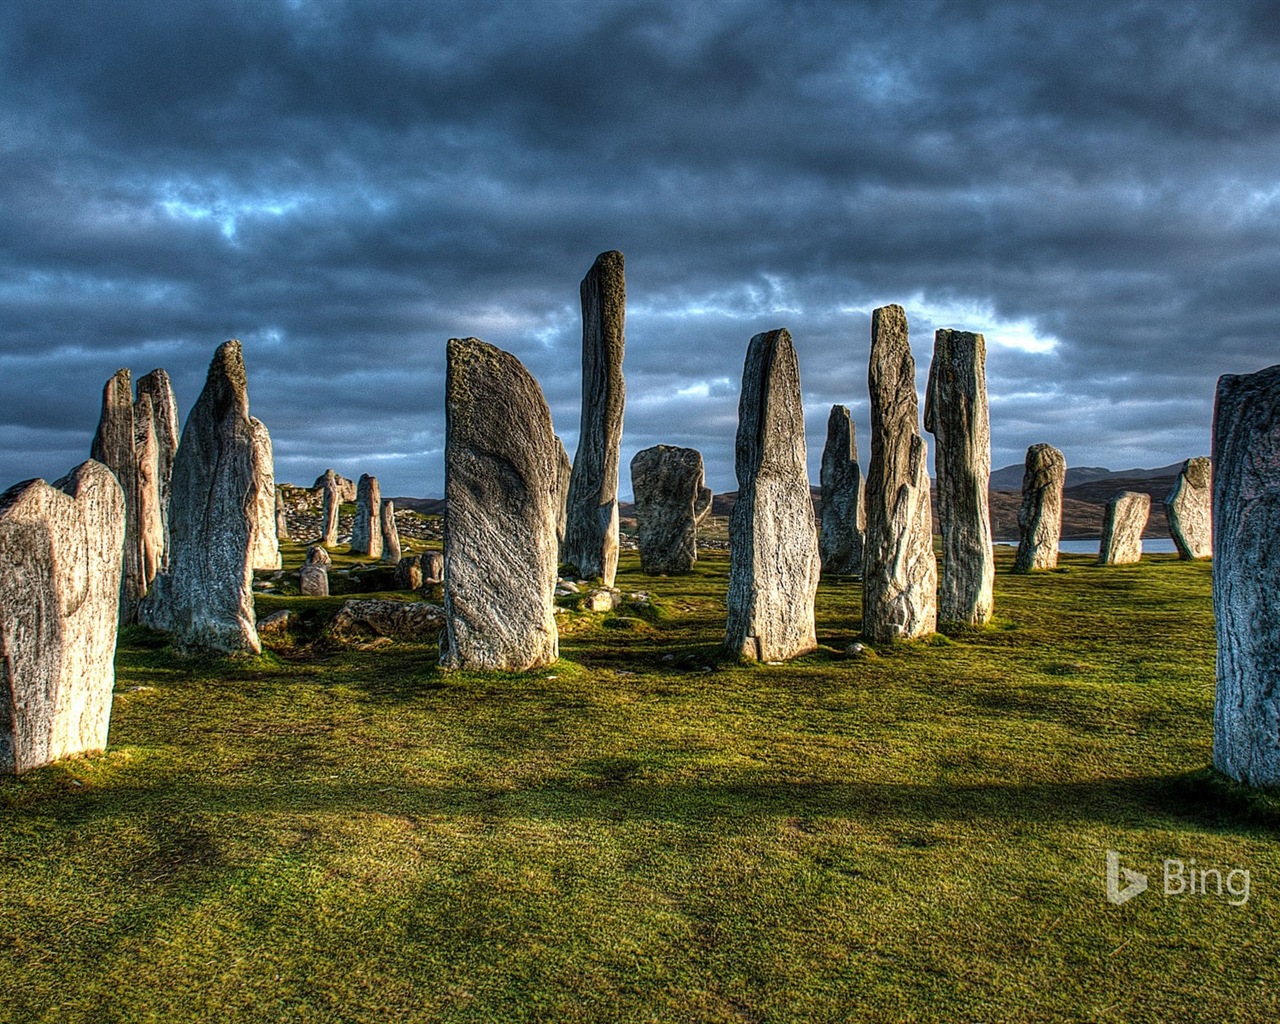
[206, 598]
[151, 537]
[164, 415]
[390, 533]
[313, 581]
[668, 488]
[113, 446]
[564, 468]
[900, 571]
[409, 573]
[773, 539]
[955, 413]
[346, 488]
[1040, 515]
[1189, 508]
[591, 518]
[366, 534]
[60, 569]
[264, 551]
[331, 496]
[1246, 553]
[500, 533]
[432, 566]
[282, 518]
[1122, 525]
[843, 515]
[317, 555]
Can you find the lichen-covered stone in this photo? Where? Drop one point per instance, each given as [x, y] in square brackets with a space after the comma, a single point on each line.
[843, 516]
[113, 446]
[60, 569]
[313, 580]
[317, 555]
[331, 498]
[900, 571]
[956, 414]
[366, 533]
[773, 539]
[264, 546]
[1040, 514]
[1122, 525]
[390, 533]
[156, 387]
[591, 518]
[1246, 566]
[432, 566]
[401, 620]
[1189, 508]
[346, 489]
[500, 531]
[668, 488]
[409, 573]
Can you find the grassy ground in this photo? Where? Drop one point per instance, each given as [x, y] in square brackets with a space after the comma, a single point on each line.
[336, 834]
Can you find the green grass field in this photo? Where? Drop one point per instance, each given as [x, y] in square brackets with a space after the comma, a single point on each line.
[340, 833]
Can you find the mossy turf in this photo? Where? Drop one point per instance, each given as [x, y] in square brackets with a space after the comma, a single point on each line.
[644, 833]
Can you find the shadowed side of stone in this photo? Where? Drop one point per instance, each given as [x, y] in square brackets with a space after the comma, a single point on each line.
[1040, 514]
[1189, 508]
[669, 497]
[1122, 525]
[331, 496]
[564, 470]
[843, 513]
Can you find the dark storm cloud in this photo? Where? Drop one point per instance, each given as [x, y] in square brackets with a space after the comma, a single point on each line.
[345, 186]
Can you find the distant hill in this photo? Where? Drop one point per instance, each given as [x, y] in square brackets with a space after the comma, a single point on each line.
[1010, 477]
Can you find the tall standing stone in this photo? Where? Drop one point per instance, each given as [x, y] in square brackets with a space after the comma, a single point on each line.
[900, 571]
[1189, 508]
[390, 533]
[1122, 525]
[668, 488]
[564, 469]
[60, 569]
[1246, 556]
[164, 426]
[591, 519]
[282, 517]
[773, 539]
[955, 413]
[150, 514]
[1040, 514]
[113, 446]
[366, 534]
[843, 515]
[206, 598]
[331, 499]
[500, 533]
[265, 545]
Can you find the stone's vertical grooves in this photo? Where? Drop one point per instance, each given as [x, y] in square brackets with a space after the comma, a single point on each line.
[500, 532]
[206, 598]
[843, 514]
[956, 414]
[900, 570]
[113, 446]
[164, 414]
[564, 469]
[264, 550]
[670, 496]
[151, 530]
[1189, 507]
[773, 539]
[282, 518]
[1246, 565]
[60, 570]
[331, 497]
[366, 533]
[591, 518]
[1122, 525]
[1040, 515]
[390, 533]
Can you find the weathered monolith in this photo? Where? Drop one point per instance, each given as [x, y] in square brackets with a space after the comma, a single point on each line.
[282, 517]
[955, 413]
[313, 581]
[164, 419]
[667, 483]
[317, 555]
[564, 469]
[1122, 525]
[1246, 557]
[900, 571]
[390, 533]
[500, 531]
[150, 515]
[773, 539]
[206, 598]
[113, 446]
[346, 488]
[331, 499]
[1040, 514]
[409, 573]
[1189, 508]
[843, 517]
[432, 566]
[591, 518]
[264, 545]
[60, 566]
[366, 533]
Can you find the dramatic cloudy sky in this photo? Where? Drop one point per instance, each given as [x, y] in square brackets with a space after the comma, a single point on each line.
[344, 186]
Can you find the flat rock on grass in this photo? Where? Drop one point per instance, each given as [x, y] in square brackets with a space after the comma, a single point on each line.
[399, 620]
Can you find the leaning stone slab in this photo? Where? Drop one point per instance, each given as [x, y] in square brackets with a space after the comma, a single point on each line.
[60, 568]
[264, 545]
[390, 533]
[591, 518]
[900, 571]
[1040, 514]
[955, 413]
[843, 516]
[1246, 556]
[1189, 508]
[400, 620]
[668, 488]
[366, 534]
[113, 446]
[205, 600]
[1122, 525]
[500, 531]
[773, 539]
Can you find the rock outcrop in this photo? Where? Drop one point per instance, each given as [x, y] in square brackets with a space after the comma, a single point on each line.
[1040, 515]
[366, 534]
[390, 533]
[1122, 525]
[1189, 508]
[264, 544]
[500, 532]
[773, 539]
[669, 495]
[843, 516]
[113, 446]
